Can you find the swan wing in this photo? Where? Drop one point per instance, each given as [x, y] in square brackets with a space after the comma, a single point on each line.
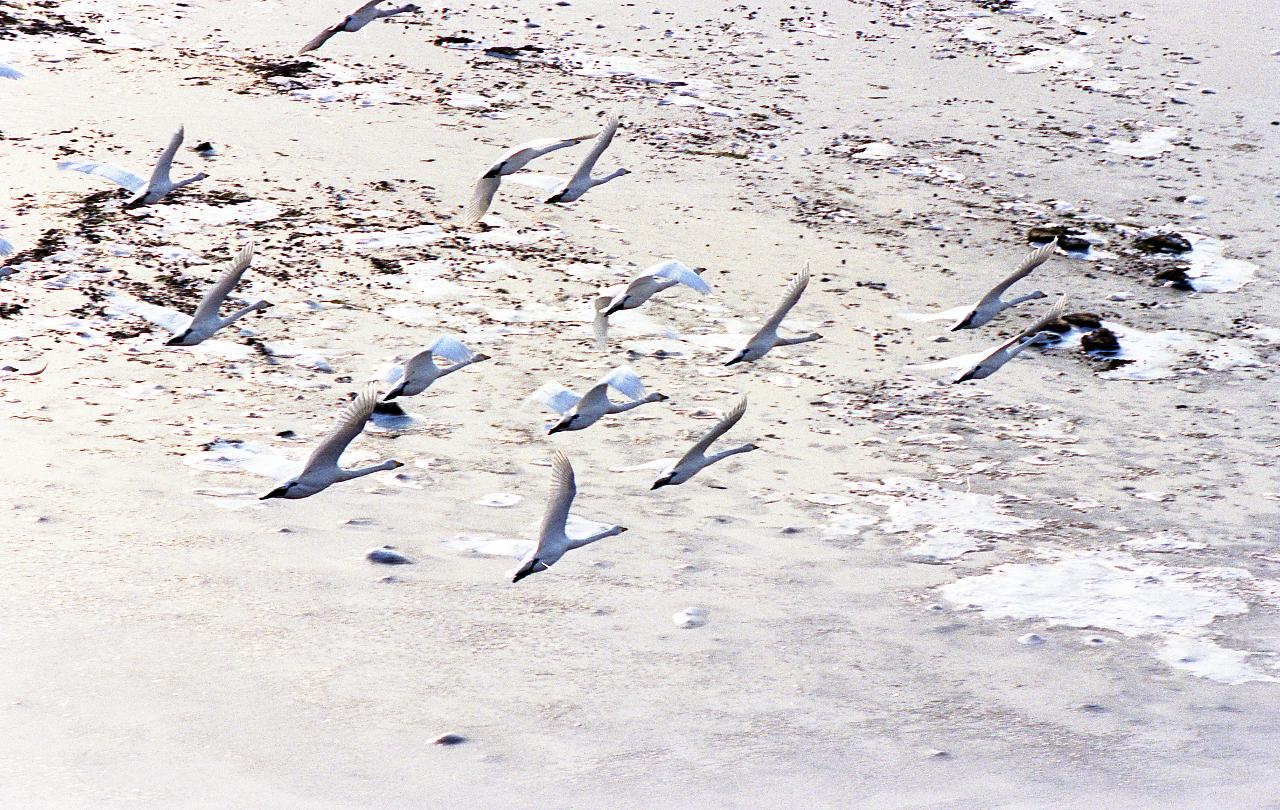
[603, 140]
[563, 490]
[350, 425]
[481, 199]
[115, 174]
[218, 293]
[681, 273]
[791, 298]
[160, 174]
[717, 430]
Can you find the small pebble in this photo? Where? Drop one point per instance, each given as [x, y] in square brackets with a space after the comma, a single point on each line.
[387, 555]
[690, 618]
[1031, 639]
[449, 739]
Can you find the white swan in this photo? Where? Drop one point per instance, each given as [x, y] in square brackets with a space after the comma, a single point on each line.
[420, 371]
[7, 72]
[146, 192]
[357, 19]
[322, 470]
[581, 412]
[582, 181]
[992, 361]
[659, 277]
[553, 541]
[990, 305]
[696, 459]
[766, 337]
[510, 163]
[206, 321]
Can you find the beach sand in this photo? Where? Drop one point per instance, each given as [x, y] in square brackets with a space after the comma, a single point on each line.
[1057, 587]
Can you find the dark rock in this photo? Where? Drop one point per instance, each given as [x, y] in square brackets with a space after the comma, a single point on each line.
[449, 739]
[390, 409]
[1100, 340]
[1163, 243]
[1058, 325]
[1069, 239]
[1088, 320]
[387, 555]
[1175, 277]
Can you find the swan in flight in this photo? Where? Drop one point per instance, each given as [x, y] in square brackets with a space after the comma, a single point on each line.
[553, 541]
[990, 305]
[145, 192]
[767, 336]
[322, 470]
[510, 163]
[696, 459]
[7, 72]
[659, 277]
[420, 371]
[582, 181]
[357, 19]
[992, 361]
[581, 412]
[206, 321]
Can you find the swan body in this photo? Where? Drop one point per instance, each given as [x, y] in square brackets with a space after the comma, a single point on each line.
[766, 338]
[206, 321]
[553, 541]
[696, 459]
[510, 163]
[990, 305]
[321, 470]
[145, 192]
[420, 371]
[581, 412]
[358, 18]
[582, 181]
[659, 277]
[994, 360]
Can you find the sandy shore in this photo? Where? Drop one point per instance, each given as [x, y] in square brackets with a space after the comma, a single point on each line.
[1057, 587]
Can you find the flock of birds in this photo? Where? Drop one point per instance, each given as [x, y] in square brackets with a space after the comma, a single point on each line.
[577, 412]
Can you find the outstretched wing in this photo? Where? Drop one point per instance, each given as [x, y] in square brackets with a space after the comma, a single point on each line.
[1054, 313]
[556, 397]
[1033, 260]
[597, 149]
[115, 174]
[7, 72]
[789, 300]
[322, 37]
[350, 425]
[563, 490]
[6, 249]
[717, 430]
[481, 199]
[522, 155]
[625, 381]
[681, 273]
[218, 293]
[160, 174]
[451, 349]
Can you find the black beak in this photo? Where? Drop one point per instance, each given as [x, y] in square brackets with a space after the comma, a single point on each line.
[278, 492]
[734, 360]
[555, 429]
[176, 341]
[661, 482]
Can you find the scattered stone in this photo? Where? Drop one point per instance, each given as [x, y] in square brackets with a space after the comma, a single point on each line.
[449, 739]
[1163, 243]
[1087, 320]
[1100, 340]
[690, 618]
[1175, 277]
[1031, 639]
[387, 555]
[1068, 238]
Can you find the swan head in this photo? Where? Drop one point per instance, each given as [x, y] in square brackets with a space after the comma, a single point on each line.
[657, 397]
[662, 482]
[564, 424]
[178, 340]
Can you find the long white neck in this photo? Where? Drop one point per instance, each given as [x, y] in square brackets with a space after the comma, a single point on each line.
[1022, 299]
[188, 181]
[609, 532]
[391, 12]
[613, 175]
[240, 313]
[746, 448]
[626, 406]
[347, 475]
[794, 340]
